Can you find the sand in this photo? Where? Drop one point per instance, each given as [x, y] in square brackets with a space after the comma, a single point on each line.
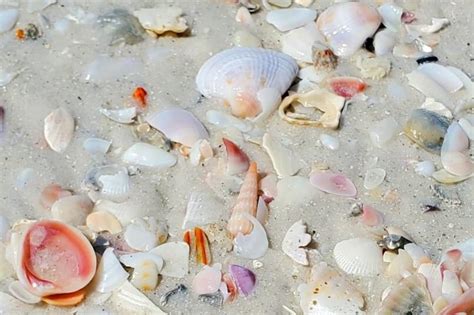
[53, 77]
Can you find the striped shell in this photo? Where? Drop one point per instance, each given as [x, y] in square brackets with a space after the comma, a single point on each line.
[359, 256]
[237, 75]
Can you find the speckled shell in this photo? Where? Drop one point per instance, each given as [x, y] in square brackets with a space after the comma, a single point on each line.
[237, 74]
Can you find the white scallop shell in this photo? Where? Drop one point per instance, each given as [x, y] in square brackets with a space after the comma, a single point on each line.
[176, 258]
[236, 75]
[454, 152]
[107, 182]
[58, 129]
[145, 154]
[359, 256]
[288, 19]
[110, 273]
[178, 125]
[8, 18]
[253, 245]
[347, 25]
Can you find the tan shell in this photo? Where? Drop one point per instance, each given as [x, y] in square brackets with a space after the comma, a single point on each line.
[103, 221]
[58, 129]
[157, 21]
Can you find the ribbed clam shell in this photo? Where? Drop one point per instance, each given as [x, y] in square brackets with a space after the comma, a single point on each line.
[58, 129]
[359, 256]
[237, 74]
[110, 182]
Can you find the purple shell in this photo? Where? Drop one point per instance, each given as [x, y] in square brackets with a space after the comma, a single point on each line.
[244, 278]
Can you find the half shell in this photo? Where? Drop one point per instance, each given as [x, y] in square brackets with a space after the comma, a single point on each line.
[58, 129]
[359, 256]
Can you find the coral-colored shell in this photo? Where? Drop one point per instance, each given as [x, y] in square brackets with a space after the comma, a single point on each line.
[55, 258]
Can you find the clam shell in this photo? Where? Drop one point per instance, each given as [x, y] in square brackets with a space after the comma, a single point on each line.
[346, 26]
[145, 154]
[123, 116]
[58, 129]
[110, 273]
[284, 160]
[236, 75]
[288, 19]
[296, 238]
[298, 43]
[8, 18]
[253, 245]
[72, 209]
[237, 161]
[178, 125]
[176, 258]
[359, 256]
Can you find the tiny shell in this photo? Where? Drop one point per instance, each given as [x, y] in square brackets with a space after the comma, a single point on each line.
[244, 279]
[178, 125]
[359, 256]
[417, 254]
[8, 18]
[284, 160]
[121, 27]
[199, 245]
[72, 209]
[333, 183]
[436, 25]
[262, 211]
[253, 245]
[288, 19]
[100, 221]
[123, 116]
[295, 239]
[208, 280]
[58, 129]
[135, 259]
[382, 132]
[96, 146]
[110, 274]
[157, 21]
[176, 258]
[371, 217]
[374, 177]
[145, 154]
[384, 42]
[346, 87]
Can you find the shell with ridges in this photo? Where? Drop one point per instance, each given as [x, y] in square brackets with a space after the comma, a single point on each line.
[359, 256]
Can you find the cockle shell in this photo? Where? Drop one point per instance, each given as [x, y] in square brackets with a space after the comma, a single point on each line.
[107, 182]
[8, 18]
[157, 21]
[246, 203]
[454, 151]
[72, 209]
[253, 245]
[58, 129]
[145, 154]
[54, 258]
[327, 292]
[347, 26]
[236, 76]
[295, 239]
[288, 19]
[176, 258]
[284, 160]
[359, 256]
[110, 273]
[178, 125]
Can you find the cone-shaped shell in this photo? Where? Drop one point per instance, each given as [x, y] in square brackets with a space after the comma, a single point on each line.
[55, 258]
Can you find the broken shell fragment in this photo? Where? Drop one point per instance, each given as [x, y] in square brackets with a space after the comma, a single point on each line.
[96, 146]
[244, 278]
[454, 152]
[288, 19]
[145, 154]
[143, 234]
[253, 245]
[295, 239]
[208, 280]
[322, 100]
[110, 273]
[145, 275]
[54, 258]
[72, 209]
[333, 183]
[298, 43]
[371, 216]
[101, 221]
[176, 258]
[199, 245]
[127, 297]
[237, 160]
[441, 75]
[359, 256]
[51, 194]
[199, 210]
[67, 299]
[283, 159]
[157, 21]
[123, 116]
[58, 129]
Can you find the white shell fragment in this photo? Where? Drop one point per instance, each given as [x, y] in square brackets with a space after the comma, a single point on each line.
[454, 152]
[298, 43]
[201, 210]
[374, 177]
[429, 87]
[436, 25]
[295, 239]
[382, 132]
[58, 129]
[146, 154]
[8, 18]
[288, 19]
[130, 298]
[253, 245]
[157, 21]
[72, 210]
[441, 75]
[96, 146]
[141, 234]
[176, 258]
[359, 256]
[110, 274]
[284, 160]
[107, 182]
[391, 16]
[425, 168]
[384, 41]
[123, 116]
[208, 280]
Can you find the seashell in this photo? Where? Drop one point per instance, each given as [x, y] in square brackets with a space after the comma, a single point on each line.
[244, 278]
[437, 24]
[262, 211]
[427, 129]
[298, 43]
[72, 210]
[467, 83]
[101, 221]
[384, 42]
[462, 304]
[4, 228]
[429, 87]
[208, 280]
[268, 185]
[58, 129]
[327, 292]
[200, 151]
[374, 178]
[371, 217]
[124, 212]
[8, 19]
[134, 260]
[432, 274]
[229, 289]
[383, 131]
[130, 298]
[237, 83]
[110, 273]
[243, 38]
[269, 99]
[288, 19]
[54, 258]
[328, 103]
[323, 58]
[443, 176]
[145, 275]
[108, 182]
[123, 116]
[451, 288]
[178, 125]
[237, 161]
[371, 66]
[346, 87]
[141, 234]
[333, 183]
[105, 68]
[304, 3]
[400, 265]
[391, 16]
[253, 245]
[225, 121]
[246, 203]
[359, 256]
[295, 239]
[96, 146]
[157, 21]
[441, 75]
[283, 159]
[68, 299]
[409, 295]
[176, 258]
[467, 273]
[346, 26]
[468, 127]
[431, 105]
[121, 27]
[200, 210]
[145, 154]
[417, 254]
[20, 292]
[199, 245]
[454, 152]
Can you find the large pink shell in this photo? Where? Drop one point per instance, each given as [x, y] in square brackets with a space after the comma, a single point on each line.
[333, 183]
[55, 258]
